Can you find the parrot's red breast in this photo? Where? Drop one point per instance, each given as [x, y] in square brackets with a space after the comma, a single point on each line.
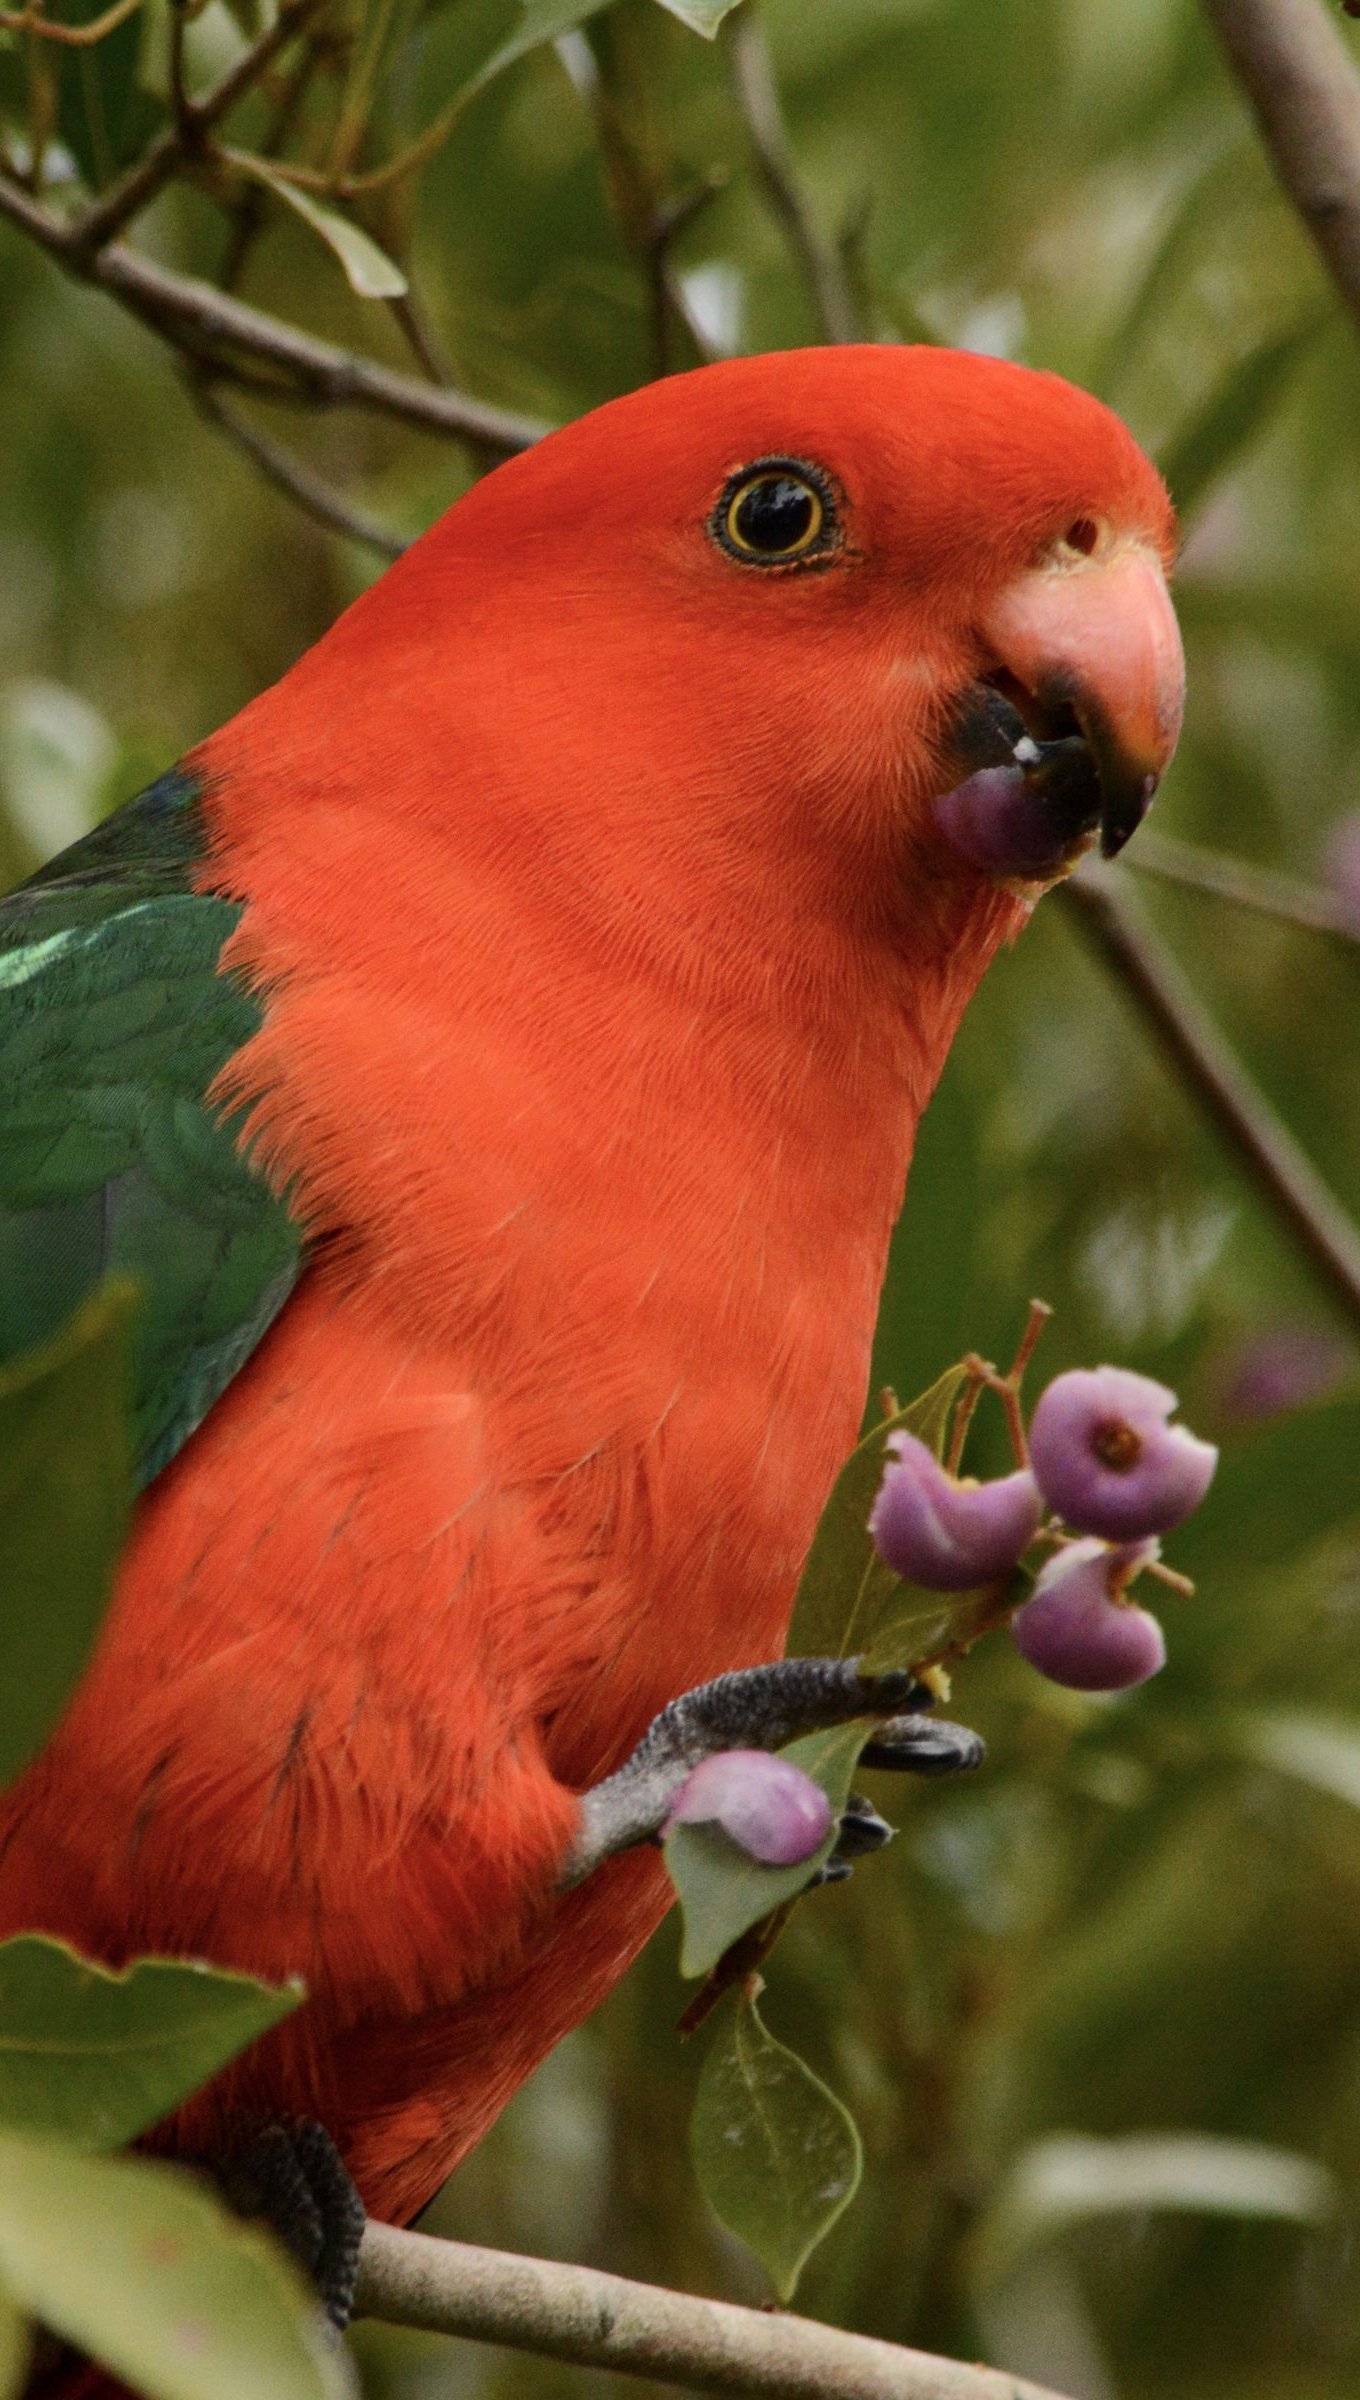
[609, 952]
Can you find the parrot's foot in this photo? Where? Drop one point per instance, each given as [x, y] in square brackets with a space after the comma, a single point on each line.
[861, 1831]
[761, 1708]
[291, 2175]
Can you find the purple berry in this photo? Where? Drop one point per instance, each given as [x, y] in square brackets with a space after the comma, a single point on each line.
[1281, 1369]
[767, 1806]
[1107, 1460]
[945, 1534]
[998, 821]
[1075, 1629]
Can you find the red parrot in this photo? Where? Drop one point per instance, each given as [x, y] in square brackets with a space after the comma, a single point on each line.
[498, 1051]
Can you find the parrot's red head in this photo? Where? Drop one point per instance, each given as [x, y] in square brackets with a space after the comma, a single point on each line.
[871, 635]
[619, 866]
[859, 547]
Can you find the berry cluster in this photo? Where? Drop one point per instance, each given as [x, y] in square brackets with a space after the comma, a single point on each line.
[1105, 1459]
[1105, 1473]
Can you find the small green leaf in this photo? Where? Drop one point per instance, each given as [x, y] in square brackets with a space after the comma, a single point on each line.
[65, 1485]
[701, 16]
[93, 2058]
[493, 34]
[776, 2154]
[1064, 2179]
[372, 274]
[918, 1627]
[846, 1590]
[1237, 409]
[141, 2266]
[1315, 1747]
[723, 1891]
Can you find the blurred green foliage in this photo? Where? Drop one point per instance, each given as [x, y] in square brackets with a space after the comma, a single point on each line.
[1097, 2013]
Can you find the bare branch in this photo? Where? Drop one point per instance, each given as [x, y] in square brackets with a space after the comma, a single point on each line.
[1281, 1171]
[591, 2319]
[205, 324]
[758, 98]
[1283, 897]
[287, 473]
[158, 164]
[1304, 86]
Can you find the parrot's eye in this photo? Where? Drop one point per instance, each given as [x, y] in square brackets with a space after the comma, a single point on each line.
[776, 513]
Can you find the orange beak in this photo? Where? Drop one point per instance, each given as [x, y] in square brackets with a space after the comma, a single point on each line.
[1097, 637]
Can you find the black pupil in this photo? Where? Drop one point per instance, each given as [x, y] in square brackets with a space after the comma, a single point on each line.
[775, 514]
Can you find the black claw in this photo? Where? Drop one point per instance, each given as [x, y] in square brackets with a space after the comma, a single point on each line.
[918, 1745]
[836, 1870]
[291, 2175]
[861, 1829]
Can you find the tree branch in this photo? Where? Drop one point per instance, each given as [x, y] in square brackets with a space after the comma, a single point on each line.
[758, 98]
[1304, 87]
[1279, 1167]
[287, 474]
[158, 164]
[592, 2319]
[1289, 901]
[203, 323]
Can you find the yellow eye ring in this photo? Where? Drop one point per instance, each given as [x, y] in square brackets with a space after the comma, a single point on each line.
[773, 514]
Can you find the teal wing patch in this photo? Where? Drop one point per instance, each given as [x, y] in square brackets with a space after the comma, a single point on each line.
[114, 1019]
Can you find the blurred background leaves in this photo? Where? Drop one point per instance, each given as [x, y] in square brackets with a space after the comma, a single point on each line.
[1098, 2012]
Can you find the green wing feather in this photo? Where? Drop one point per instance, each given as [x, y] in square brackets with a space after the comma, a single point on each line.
[114, 1019]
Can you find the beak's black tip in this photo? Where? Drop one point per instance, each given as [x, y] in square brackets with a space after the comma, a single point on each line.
[1123, 813]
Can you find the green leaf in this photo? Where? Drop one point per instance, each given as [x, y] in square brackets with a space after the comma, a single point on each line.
[1237, 409]
[722, 1890]
[372, 274]
[846, 1590]
[701, 16]
[140, 2265]
[491, 35]
[1313, 1747]
[777, 2155]
[1065, 2179]
[93, 2058]
[65, 1483]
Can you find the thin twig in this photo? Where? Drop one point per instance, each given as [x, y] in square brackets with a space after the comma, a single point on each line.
[1280, 1169]
[181, 104]
[161, 161]
[758, 98]
[75, 37]
[1302, 81]
[311, 492]
[205, 323]
[248, 212]
[602, 63]
[1291, 902]
[590, 2319]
